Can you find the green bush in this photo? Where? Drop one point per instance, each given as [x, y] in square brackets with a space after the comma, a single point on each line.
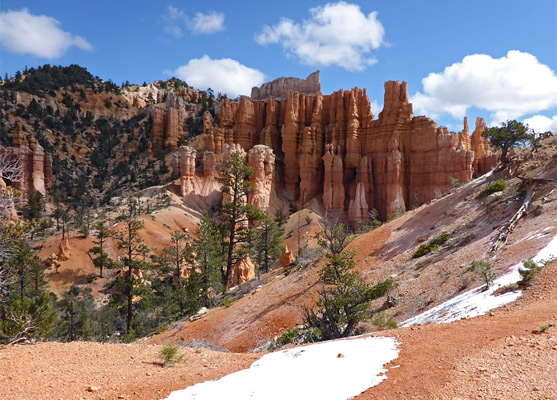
[384, 320]
[544, 326]
[498, 186]
[431, 245]
[530, 268]
[288, 336]
[483, 269]
[170, 355]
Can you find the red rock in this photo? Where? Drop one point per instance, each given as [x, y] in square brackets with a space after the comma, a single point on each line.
[243, 271]
[281, 86]
[262, 160]
[187, 170]
[331, 145]
[286, 258]
[35, 165]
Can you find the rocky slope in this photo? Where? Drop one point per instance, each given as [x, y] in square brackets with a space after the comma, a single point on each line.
[498, 355]
[472, 224]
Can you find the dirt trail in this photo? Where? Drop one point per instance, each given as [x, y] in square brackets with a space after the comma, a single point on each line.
[495, 356]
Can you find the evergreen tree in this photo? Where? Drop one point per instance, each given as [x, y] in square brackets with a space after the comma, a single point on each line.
[509, 134]
[76, 321]
[345, 298]
[102, 260]
[29, 318]
[178, 256]
[35, 206]
[209, 257]
[267, 243]
[235, 214]
[134, 259]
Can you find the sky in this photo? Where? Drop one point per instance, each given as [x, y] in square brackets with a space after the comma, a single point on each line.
[496, 59]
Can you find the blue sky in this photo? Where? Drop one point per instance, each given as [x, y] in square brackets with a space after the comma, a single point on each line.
[496, 59]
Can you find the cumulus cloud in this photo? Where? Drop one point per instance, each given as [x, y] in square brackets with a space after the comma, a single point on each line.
[541, 123]
[222, 75]
[509, 87]
[203, 24]
[337, 34]
[38, 35]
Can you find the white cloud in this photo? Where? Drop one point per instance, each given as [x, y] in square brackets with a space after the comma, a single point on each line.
[222, 75]
[38, 35]
[541, 123]
[211, 22]
[509, 87]
[172, 21]
[336, 34]
[202, 24]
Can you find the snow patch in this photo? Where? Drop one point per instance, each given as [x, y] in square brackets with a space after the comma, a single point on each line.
[477, 302]
[332, 370]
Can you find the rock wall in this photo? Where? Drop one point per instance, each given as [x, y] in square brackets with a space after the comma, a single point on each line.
[332, 146]
[168, 124]
[280, 87]
[34, 163]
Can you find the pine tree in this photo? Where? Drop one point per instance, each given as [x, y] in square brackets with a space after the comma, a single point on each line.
[345, 298]
[178, 256]
[235, 214]
[509, 134]
[267, 243]
[29, 318]
[102, 260]
[209, 257]
[134, 259]
[75, 321]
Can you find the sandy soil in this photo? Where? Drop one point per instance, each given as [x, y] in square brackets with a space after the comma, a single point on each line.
[81, 370]
[497, 356]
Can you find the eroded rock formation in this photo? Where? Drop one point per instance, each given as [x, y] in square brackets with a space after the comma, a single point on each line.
[243, 271]
[35, 165]
[187, 170]
[262, 160]
[331, 146]
[281, 86]
[168, 124]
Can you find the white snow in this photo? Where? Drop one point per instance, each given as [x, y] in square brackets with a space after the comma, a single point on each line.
[332, 370]
[477, 302]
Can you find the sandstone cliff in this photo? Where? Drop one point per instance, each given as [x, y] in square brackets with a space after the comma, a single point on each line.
[168, 126]
[280, 87]
[332, 146]
[34, 163]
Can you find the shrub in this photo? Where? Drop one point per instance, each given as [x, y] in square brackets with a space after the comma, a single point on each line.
[544, 326]
[483, 269]
[384, 320]
[170, 355]
[455, 183]
[530, 268]
[288, 336]
[498, 186]
[431, 245]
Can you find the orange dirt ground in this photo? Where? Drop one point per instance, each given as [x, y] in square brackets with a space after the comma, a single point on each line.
[496, 356]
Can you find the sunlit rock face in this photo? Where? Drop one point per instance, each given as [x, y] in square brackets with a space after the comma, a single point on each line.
[332, 147]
